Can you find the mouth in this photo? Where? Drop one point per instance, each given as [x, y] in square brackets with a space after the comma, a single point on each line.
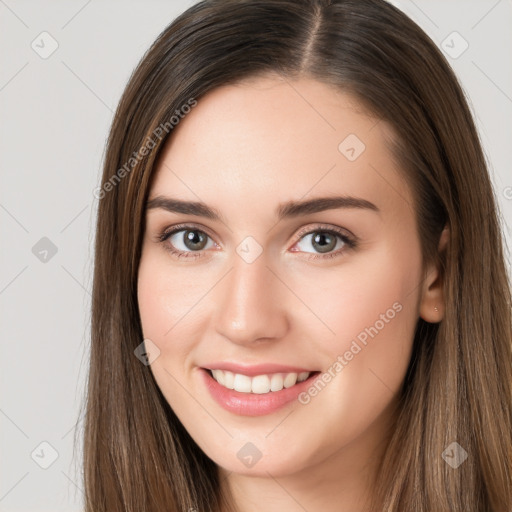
[263, 384]
[255, 389]
[255, 395]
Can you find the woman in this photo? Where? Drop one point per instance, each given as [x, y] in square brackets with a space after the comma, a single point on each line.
[300, 295]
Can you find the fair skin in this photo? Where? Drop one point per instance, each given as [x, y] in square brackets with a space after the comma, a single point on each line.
[244, 150]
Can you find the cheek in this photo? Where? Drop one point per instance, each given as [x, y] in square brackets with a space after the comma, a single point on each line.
[159, 312]
[377, 290]
[152, 302]
[166, 299]
[167, 315]
[372, 308]
[172, 313]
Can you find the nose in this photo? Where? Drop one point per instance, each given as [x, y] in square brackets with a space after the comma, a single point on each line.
[250, 305]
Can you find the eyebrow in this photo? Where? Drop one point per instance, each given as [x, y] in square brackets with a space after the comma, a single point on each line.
[289, 209]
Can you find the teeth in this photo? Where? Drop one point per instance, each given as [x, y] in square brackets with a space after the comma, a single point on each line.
[242, 383]
[302, 376]
[219, 377]
[276, 382]
[259, 384]
[229, 379]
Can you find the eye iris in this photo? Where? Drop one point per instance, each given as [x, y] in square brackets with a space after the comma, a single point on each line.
[320, 237]
[194, 240]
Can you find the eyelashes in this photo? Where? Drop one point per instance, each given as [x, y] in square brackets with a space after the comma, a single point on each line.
[316, 235]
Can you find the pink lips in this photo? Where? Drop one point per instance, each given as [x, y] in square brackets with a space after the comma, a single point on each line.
[252, 404]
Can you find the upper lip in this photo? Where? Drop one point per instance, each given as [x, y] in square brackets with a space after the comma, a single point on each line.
[255, 369]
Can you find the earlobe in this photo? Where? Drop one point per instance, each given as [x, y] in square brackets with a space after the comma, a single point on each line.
[432, 303]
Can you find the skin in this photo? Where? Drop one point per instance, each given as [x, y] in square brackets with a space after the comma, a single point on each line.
[243, 150]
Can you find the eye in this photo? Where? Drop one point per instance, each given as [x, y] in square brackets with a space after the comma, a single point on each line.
[324, 241]
[188, 241]
[184, 241]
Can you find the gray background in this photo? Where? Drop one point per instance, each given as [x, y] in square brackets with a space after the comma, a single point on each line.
[55, 113]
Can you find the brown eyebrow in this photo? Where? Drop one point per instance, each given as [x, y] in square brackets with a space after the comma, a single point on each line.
[284, 210]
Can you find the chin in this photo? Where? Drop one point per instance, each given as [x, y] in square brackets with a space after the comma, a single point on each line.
[246, 459]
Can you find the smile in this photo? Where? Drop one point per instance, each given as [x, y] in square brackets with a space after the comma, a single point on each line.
[258, 394]
[259, 384]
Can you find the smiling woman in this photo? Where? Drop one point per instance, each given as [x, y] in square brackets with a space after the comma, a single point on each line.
[300, 298]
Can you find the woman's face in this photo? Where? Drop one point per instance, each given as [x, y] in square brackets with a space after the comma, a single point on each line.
[272, 283]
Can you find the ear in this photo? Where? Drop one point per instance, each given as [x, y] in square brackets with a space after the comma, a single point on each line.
[432, 303]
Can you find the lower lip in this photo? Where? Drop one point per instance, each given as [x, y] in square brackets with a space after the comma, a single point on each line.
[253, 404]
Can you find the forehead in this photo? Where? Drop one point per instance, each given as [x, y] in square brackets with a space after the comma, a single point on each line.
[271, 139]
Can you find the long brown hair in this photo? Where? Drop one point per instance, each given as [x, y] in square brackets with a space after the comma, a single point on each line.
[137, 455]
